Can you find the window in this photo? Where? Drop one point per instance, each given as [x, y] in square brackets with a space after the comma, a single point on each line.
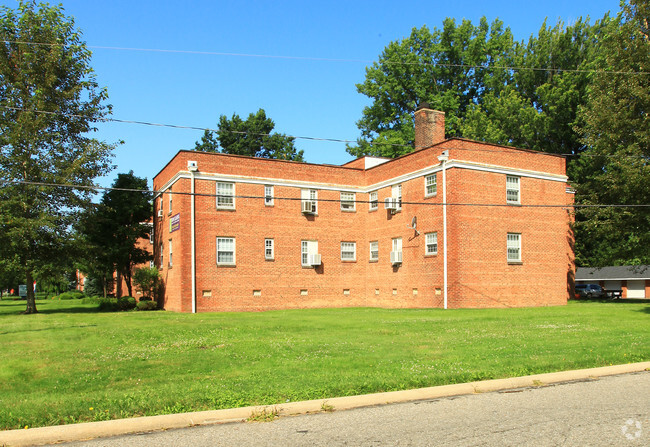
[309, 199]
[512, 189]
[151, 240]
[514, 247]
[374, 251]
[269, 249]
[348, 201]
[225, 251]
[396, 253]
[151, 264]
[170, 252]
[432, 244]
[396, 193]
[169, 191]
[308, 249]
[348, 251]
[430, 185]
[374, 201]
[161, 205]
[225, 195]
[161, 255]
[397, 244]
[268, 195]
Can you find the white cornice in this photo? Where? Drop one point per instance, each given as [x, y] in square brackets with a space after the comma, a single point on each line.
[365, 189]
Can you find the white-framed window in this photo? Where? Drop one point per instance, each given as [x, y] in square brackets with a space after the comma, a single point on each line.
[162, 255]
[268, 195]
[151, 235]
[348, 251]
[269, 249]
[430, 185]
[431, 244]
[151, 264]
[514, 247]
[170, 252]
[397, 244]
[225, 195]
[396, 253]
[309, 200]
[374, 251]
[161, 204]
[171, 197]
[512, 189]
[396, 193]
[226, 251]
[348, 201]
[374, 201]
[307, 249]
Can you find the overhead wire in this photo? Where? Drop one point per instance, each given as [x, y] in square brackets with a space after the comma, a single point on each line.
[260, 197]
[309, 138]
[324, 59]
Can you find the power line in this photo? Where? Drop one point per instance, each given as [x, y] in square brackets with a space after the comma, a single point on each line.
[298, 137]
[324, 59]
[211, 195]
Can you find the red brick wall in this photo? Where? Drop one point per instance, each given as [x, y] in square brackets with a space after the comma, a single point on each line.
[479, 275]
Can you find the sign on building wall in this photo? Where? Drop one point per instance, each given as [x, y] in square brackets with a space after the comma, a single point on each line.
[175, 223]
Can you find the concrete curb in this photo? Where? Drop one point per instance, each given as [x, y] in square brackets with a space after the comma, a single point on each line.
[91, 430]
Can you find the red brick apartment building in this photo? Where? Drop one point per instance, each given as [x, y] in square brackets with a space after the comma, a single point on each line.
[261, 234]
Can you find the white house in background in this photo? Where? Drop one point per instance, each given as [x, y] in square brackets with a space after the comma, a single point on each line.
[633, 280]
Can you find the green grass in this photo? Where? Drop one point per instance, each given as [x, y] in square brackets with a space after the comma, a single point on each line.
[70, 363]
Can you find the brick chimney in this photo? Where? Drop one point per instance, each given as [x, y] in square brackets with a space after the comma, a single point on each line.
[429, 126]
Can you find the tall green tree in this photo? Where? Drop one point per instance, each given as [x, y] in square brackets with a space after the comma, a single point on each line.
[615, 169]
[466, 71]
[439, 67]
[49, 102]
[115, 228]
[251, 137]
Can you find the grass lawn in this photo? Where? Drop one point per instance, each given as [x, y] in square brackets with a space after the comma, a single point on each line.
[70, 363]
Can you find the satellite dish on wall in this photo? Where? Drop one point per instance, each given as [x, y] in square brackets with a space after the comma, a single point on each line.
[414, 225]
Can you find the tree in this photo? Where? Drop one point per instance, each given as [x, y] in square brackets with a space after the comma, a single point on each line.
[438, 67]
[49, 100]
[251, 137]
[147, 280]
[465, 71]
[615, 169]
[114, 228]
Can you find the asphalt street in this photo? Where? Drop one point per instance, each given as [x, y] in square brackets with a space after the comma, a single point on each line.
[610, 411]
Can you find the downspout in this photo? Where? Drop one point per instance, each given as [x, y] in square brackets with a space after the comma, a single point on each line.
[193, 243]
[443, 159]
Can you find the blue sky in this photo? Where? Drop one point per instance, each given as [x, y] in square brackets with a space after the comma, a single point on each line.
[305, 97]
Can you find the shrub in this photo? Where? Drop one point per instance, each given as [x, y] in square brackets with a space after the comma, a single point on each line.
[116, 304]
[147, 280]
[90, 300]
[70, 295]
[147, 305]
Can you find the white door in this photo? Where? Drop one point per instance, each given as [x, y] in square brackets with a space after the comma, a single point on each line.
[636, 289]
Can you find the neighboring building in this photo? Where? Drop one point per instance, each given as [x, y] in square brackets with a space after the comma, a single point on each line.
[633, 280]
[274, 234]
[119, 287]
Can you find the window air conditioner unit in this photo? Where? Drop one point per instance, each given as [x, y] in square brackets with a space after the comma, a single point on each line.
[314, 259]
[390, 203]
[160, 213]
[395, 257]
[192, 166]
[308, 207]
